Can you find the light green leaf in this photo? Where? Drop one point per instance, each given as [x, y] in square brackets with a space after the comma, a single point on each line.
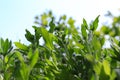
[20, 57]
[6, 59]
[34, 59]
[80, 45]
[106, 67]
[47, 37]
[24, 69]
[83, 30]
[89, 57]
[21, 46]
[71, 21]
[1, 77]
[97, 68]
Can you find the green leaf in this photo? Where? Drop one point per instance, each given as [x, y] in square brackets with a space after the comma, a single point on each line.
[94, 25]
[30, 53]
[102, 41]
[21, 46]
[71, 21]
[34, 59]
[85, 23]
[83, 30]
[90, 58]
[20, 57]
[96, 43]
[64, 17]
[80, 45]
[52, 26]
[113, 75]
[6, 59]
[106, 67]
[97, 68]
[24, 69]
[37, 35]
[47, 37]
[29, 36]
[103, 75]
[5, 46]
[1, 77]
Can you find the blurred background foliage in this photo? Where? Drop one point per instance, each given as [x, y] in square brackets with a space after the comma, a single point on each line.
[59, 50]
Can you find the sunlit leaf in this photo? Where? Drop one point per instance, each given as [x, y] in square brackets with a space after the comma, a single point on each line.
[21, 46]
[97, 68]
[47, 37]
[106, 67]
[89, 57]
[71, 21]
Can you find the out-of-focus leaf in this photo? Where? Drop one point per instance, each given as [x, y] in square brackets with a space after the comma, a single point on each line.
[30, 53]
[6, 59]
[102, 41]
[80, 45]
[71, 21]
[106, 67]
[44, 18]
[96, 43]
[21, 46]
[115, 41]
[37, 35]
[64, 17]
[83, 30]
[29, 36]
[47, 37]
[90, 58]
[24, 70]
[97, 68]
[85, 23]
[34, 59]
[52, 26]
[20, 57]
[1, 77]
[103, 75]
[95, 24]
[113, 75]
[105, 29]
[5, 46]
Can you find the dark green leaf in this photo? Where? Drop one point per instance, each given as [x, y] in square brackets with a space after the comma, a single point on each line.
[52, 26]
[29, 36]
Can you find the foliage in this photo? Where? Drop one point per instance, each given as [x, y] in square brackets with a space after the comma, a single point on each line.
[67, 52]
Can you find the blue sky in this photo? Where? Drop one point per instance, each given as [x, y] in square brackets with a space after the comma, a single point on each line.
[18, 15]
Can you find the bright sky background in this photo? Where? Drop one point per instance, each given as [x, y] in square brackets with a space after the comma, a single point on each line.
[18, 15]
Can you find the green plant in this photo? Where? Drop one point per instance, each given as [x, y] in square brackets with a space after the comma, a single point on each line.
[58, 50]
